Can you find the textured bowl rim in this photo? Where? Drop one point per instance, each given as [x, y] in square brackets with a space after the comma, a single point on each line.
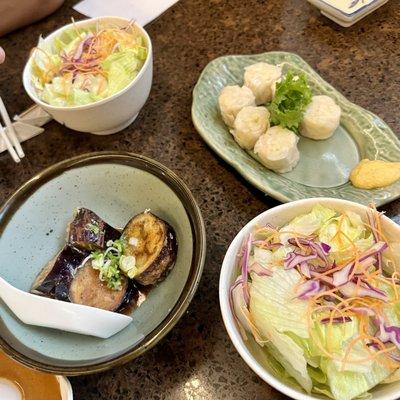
[199, 251]
[227, 315]
[26, 74]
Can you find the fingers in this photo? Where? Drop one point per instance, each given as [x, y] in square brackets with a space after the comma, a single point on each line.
[2, 55]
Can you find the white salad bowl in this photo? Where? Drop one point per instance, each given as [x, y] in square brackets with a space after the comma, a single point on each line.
[248, 349]
[109, 115]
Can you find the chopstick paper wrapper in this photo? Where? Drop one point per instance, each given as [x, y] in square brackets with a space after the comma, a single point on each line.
[28, 124]
[141, 11]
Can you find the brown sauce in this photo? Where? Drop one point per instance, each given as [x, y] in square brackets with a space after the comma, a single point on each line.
[137, 300]
[34, 385]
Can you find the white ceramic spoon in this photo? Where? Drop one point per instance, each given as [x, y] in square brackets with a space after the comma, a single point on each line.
[42, 311]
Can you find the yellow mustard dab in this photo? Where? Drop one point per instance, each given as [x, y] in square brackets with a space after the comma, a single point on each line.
[372, 174]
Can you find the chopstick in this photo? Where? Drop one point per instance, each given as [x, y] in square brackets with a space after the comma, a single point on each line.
[10, 149]
[11, 133]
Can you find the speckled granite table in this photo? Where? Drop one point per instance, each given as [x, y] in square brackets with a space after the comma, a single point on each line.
[196, 360]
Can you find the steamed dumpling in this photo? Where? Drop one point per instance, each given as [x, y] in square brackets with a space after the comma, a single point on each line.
[277, 149]
[260, 78]
[232, 99]
[250, 123]
[321, 118]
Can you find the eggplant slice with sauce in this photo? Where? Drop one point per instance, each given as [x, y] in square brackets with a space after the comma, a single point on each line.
[86, 288]
[88, 231]
[65, 278]
[152, 241]
[55, 278]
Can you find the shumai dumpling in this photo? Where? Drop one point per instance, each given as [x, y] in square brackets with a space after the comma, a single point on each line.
[321, 118]
[260, 78]
[232, 99]
[277, 149]
[250, 123]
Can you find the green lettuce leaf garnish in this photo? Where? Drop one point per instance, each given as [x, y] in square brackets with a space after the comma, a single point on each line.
[291, 98]
[122, 67]
[347, 385]
[275, 312]
[273, 303]
[308, 224]
[291, 356]
[354, 231]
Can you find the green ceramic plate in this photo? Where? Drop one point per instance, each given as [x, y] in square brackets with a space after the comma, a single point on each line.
[32, 230]
[324, 166]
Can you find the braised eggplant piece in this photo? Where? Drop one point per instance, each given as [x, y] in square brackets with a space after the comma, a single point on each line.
[88, 231]
[86, 288]
[152, 241]
[55, 278]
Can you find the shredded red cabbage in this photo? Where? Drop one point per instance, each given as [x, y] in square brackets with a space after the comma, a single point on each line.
[366, 260]
[364, 311]
[350, 289]
[343, 275]
[335, 320]
[232, 288]
[235, 286]
[293, 259]
[388, 333]
[325, 247]
[79, 50]
[376, 249]
[260, 270]
[245, 269]
[305, 269]
[267, 246]
[394, 357]
[375, 234]
[366, 263]
[308, 289]
[371, 221]
[326, 279]
[321, 250]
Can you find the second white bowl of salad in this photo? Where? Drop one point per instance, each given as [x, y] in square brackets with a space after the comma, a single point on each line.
[310, 298]
[94, 75]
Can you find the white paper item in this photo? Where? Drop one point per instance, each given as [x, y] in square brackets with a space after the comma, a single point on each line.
[141, 11]
[23, 132]
[34, 115]
[28, 124]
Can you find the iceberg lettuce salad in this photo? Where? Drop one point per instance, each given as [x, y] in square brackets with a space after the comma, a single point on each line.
[321, 298]
[82, 66]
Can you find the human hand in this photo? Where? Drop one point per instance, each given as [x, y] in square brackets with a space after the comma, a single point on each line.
[2, 55]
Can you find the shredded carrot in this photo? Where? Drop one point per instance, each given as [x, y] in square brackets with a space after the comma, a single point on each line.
[339, 230]
[298, 284]
[253, 327]
[365, 338]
